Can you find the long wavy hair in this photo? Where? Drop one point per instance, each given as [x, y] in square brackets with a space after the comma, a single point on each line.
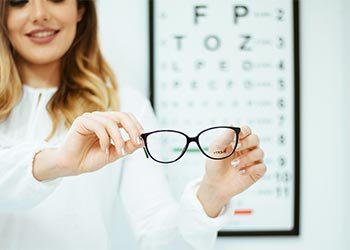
[87, 82]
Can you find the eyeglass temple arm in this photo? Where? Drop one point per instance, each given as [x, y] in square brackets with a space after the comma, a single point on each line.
[144, 147]
[144, 150]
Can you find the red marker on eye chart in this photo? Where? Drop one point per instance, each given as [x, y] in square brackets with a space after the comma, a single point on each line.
[243, 212]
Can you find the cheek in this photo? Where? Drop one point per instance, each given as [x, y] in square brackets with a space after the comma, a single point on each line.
[15, 23]
[68, 35]
[12, 25]
[68, 21]
[67, 15]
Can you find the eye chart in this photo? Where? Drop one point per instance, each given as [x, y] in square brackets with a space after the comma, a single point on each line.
[221, 62]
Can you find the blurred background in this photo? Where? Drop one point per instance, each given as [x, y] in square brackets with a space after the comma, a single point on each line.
[325, 100]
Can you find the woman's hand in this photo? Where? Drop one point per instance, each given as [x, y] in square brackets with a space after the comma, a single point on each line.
[89, 143]
[231, 176]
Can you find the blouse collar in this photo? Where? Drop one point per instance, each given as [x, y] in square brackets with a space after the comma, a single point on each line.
[48, 90]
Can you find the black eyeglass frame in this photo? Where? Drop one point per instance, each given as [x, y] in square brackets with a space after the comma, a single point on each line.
[189, 140]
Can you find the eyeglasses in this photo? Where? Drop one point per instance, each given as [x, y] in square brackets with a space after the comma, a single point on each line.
[167, 146]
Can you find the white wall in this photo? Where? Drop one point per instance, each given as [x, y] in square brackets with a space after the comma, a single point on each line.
[124, 39]
[323, 219]
[347, 114]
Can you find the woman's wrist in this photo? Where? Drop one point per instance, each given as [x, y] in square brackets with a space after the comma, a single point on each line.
[46, 165]
[212, 198]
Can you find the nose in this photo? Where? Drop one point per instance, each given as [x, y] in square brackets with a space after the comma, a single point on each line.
[39, 11]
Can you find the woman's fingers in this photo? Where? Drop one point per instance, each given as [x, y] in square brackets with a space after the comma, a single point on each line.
[254, 172]
[113, 132]
[136, 122]
[249, 142]
[127, 122]
[130, 147]
[95, 127]
[245, 131]
[248, 159]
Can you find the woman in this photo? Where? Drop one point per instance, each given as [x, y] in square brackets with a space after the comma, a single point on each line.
[61, 116]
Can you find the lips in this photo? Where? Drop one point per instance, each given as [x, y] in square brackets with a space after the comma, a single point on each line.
[42, 33]
[42, 36]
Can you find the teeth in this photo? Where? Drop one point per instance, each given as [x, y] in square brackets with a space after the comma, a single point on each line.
[43, 34]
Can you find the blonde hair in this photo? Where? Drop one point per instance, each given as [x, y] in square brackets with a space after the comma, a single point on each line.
[87, 82]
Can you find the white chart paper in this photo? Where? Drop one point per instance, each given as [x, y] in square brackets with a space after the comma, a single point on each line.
[220, 62]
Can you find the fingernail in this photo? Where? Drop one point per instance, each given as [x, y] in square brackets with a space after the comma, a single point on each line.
[242, 171]
[235, 163]
[138, 140]
[123, 151]
[119, 150]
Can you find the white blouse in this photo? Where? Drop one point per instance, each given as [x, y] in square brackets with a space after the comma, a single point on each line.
[77, 212]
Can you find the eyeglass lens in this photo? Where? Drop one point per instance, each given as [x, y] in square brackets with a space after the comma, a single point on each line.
[168, 146]
[218, 143]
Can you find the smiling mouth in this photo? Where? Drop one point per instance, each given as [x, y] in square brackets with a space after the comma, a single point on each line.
[43, 34]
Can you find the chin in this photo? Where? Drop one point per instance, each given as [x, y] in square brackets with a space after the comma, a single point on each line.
[43, 59]
[41, 55]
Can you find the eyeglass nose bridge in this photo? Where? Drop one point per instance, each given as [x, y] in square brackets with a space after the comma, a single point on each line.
[192, 139]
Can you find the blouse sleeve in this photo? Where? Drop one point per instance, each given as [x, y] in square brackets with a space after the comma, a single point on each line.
[19, 190]
[158, 221]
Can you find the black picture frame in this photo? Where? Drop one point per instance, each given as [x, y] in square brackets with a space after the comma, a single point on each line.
[295, 231]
